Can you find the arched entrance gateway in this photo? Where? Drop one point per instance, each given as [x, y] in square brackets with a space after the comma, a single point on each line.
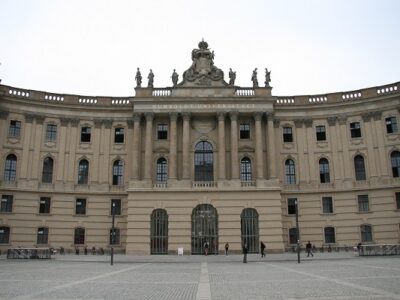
[159, 232]
[249, 228]
[204, 229]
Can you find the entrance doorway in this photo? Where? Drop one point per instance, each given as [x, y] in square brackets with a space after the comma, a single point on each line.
[204, 229]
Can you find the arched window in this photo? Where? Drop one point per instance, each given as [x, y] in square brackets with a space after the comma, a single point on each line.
[118, 173]
[329, 234]
[43, 236]
[159, 232]
[203, 162]
[162, 170]
[290, 172]
[359, 167]
[4, 235]
[204, 229]
[83, 172]
[245, 169]
[114, 236]
[366, 233]
[324, 171]
[249, 229]
[10, 170]
[79, 236]
[293, 236]
[395, 159]
[47, 173]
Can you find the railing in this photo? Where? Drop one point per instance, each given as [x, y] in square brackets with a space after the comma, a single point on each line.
[204, 184]
[120, 101]
[248, 183]
[317, 99]
[29, 253]
[166, 92]
[285, 100]
[246, 92]
[351, 95]
[386, 89]
[19, 93]
[379, 250]
[160, 185]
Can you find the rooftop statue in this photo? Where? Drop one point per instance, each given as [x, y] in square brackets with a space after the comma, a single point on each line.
[254, 78]
[232, 77]
[138, 78]
[175, 78]
[202, 72]
[151, 79]
[267, 77]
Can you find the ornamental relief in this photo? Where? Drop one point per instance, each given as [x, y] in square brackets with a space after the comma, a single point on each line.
[204, 126]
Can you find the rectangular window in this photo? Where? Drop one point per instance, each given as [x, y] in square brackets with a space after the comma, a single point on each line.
[291, 202]
[391, 125]
[321, 133]
[327, 205]
[398, 200]
[363, 203]
[116, 203]
[119, 135]
[51, 132]
[85, 134]
[355, 130]
[44, 205]
[287, 135]
[80, 207]
[244, 131]
[162, 131]
[15, 129]
[6, 203]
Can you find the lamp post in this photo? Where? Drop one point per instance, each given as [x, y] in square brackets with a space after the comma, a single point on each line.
[297, 231]
[112, 232]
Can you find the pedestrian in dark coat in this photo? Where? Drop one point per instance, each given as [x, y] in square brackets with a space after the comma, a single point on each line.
[308, 249]
[245, 250]
[226, 248]
[262, 247]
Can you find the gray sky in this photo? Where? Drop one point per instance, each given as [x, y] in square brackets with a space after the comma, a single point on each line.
[94, 47]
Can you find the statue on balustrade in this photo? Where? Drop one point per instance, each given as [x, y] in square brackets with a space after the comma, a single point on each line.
[175, 78]
[267, 77]
[138, 78]
[232, 77]
[151, 79]
[254, 78]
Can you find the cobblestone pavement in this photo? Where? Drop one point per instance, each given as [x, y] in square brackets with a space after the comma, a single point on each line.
[199, 277]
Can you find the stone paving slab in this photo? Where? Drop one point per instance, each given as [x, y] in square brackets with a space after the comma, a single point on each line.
[199, 277]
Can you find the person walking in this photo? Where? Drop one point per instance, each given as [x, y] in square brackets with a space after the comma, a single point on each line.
[206, 248]
[226, 248]
[245, 250]
[308, 249]
[262, 247]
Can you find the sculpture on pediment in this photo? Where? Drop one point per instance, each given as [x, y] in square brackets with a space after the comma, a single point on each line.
[232, 77]
[254, 78]
[202, 72]
[138, 78]
[151, 79]
[175, 78]
[267, 77]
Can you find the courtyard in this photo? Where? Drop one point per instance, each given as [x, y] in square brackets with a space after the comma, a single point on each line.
[324, 276]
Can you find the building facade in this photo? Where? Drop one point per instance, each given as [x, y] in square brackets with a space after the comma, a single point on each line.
[203, 161]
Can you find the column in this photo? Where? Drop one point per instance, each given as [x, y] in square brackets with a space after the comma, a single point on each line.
[271, 146]
[62, 132]
[369, 142]
[258, 139]
[106, 141]
[70, 159]
[221, 146]
[309, 151]
[234, 145]
[3, 127]
[302, 166]
[35, 172]
[135, 146]
[186, 145]
[148, 146]
[348, 164]
[26, 145]
[337, 170]
[172, 146]
[382, 158]
[96, 167]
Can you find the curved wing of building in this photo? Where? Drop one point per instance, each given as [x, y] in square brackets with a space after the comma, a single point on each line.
[199, 164]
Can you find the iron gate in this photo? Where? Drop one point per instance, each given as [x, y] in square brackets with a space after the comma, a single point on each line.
[159, 232]
[249, 228]
[204, 229]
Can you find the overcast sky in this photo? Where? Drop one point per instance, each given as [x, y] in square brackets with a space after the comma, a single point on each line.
[94, 47]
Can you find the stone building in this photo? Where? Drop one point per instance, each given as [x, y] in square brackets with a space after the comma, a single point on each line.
[203, 161]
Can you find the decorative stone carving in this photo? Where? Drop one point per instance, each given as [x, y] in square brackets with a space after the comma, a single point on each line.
[342, 119]
[298, 123]
[149, 116]
[3, 114]
[270, 115]
[186, 116]
[308, 122]
[202, 72]
[39, 119]
[254, 78]
[331, 121]
[137, 117]
[107, 124]
[175, 78]
[377, 115]
[204, 126]
[64, 122]
[233, 115]
[232, 77]
[221, 116]
[130, 123]
[74, 122]
[257, 115]
[277, 123]
[267, 77]
[29, 118]
[97, 123]
[150, 83]
[366, 116]
[138, 78]
[173, 116]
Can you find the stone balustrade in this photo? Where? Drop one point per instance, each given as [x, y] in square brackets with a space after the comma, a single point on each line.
[245, 92]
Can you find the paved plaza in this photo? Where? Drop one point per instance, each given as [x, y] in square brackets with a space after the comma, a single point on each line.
[325, 276]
